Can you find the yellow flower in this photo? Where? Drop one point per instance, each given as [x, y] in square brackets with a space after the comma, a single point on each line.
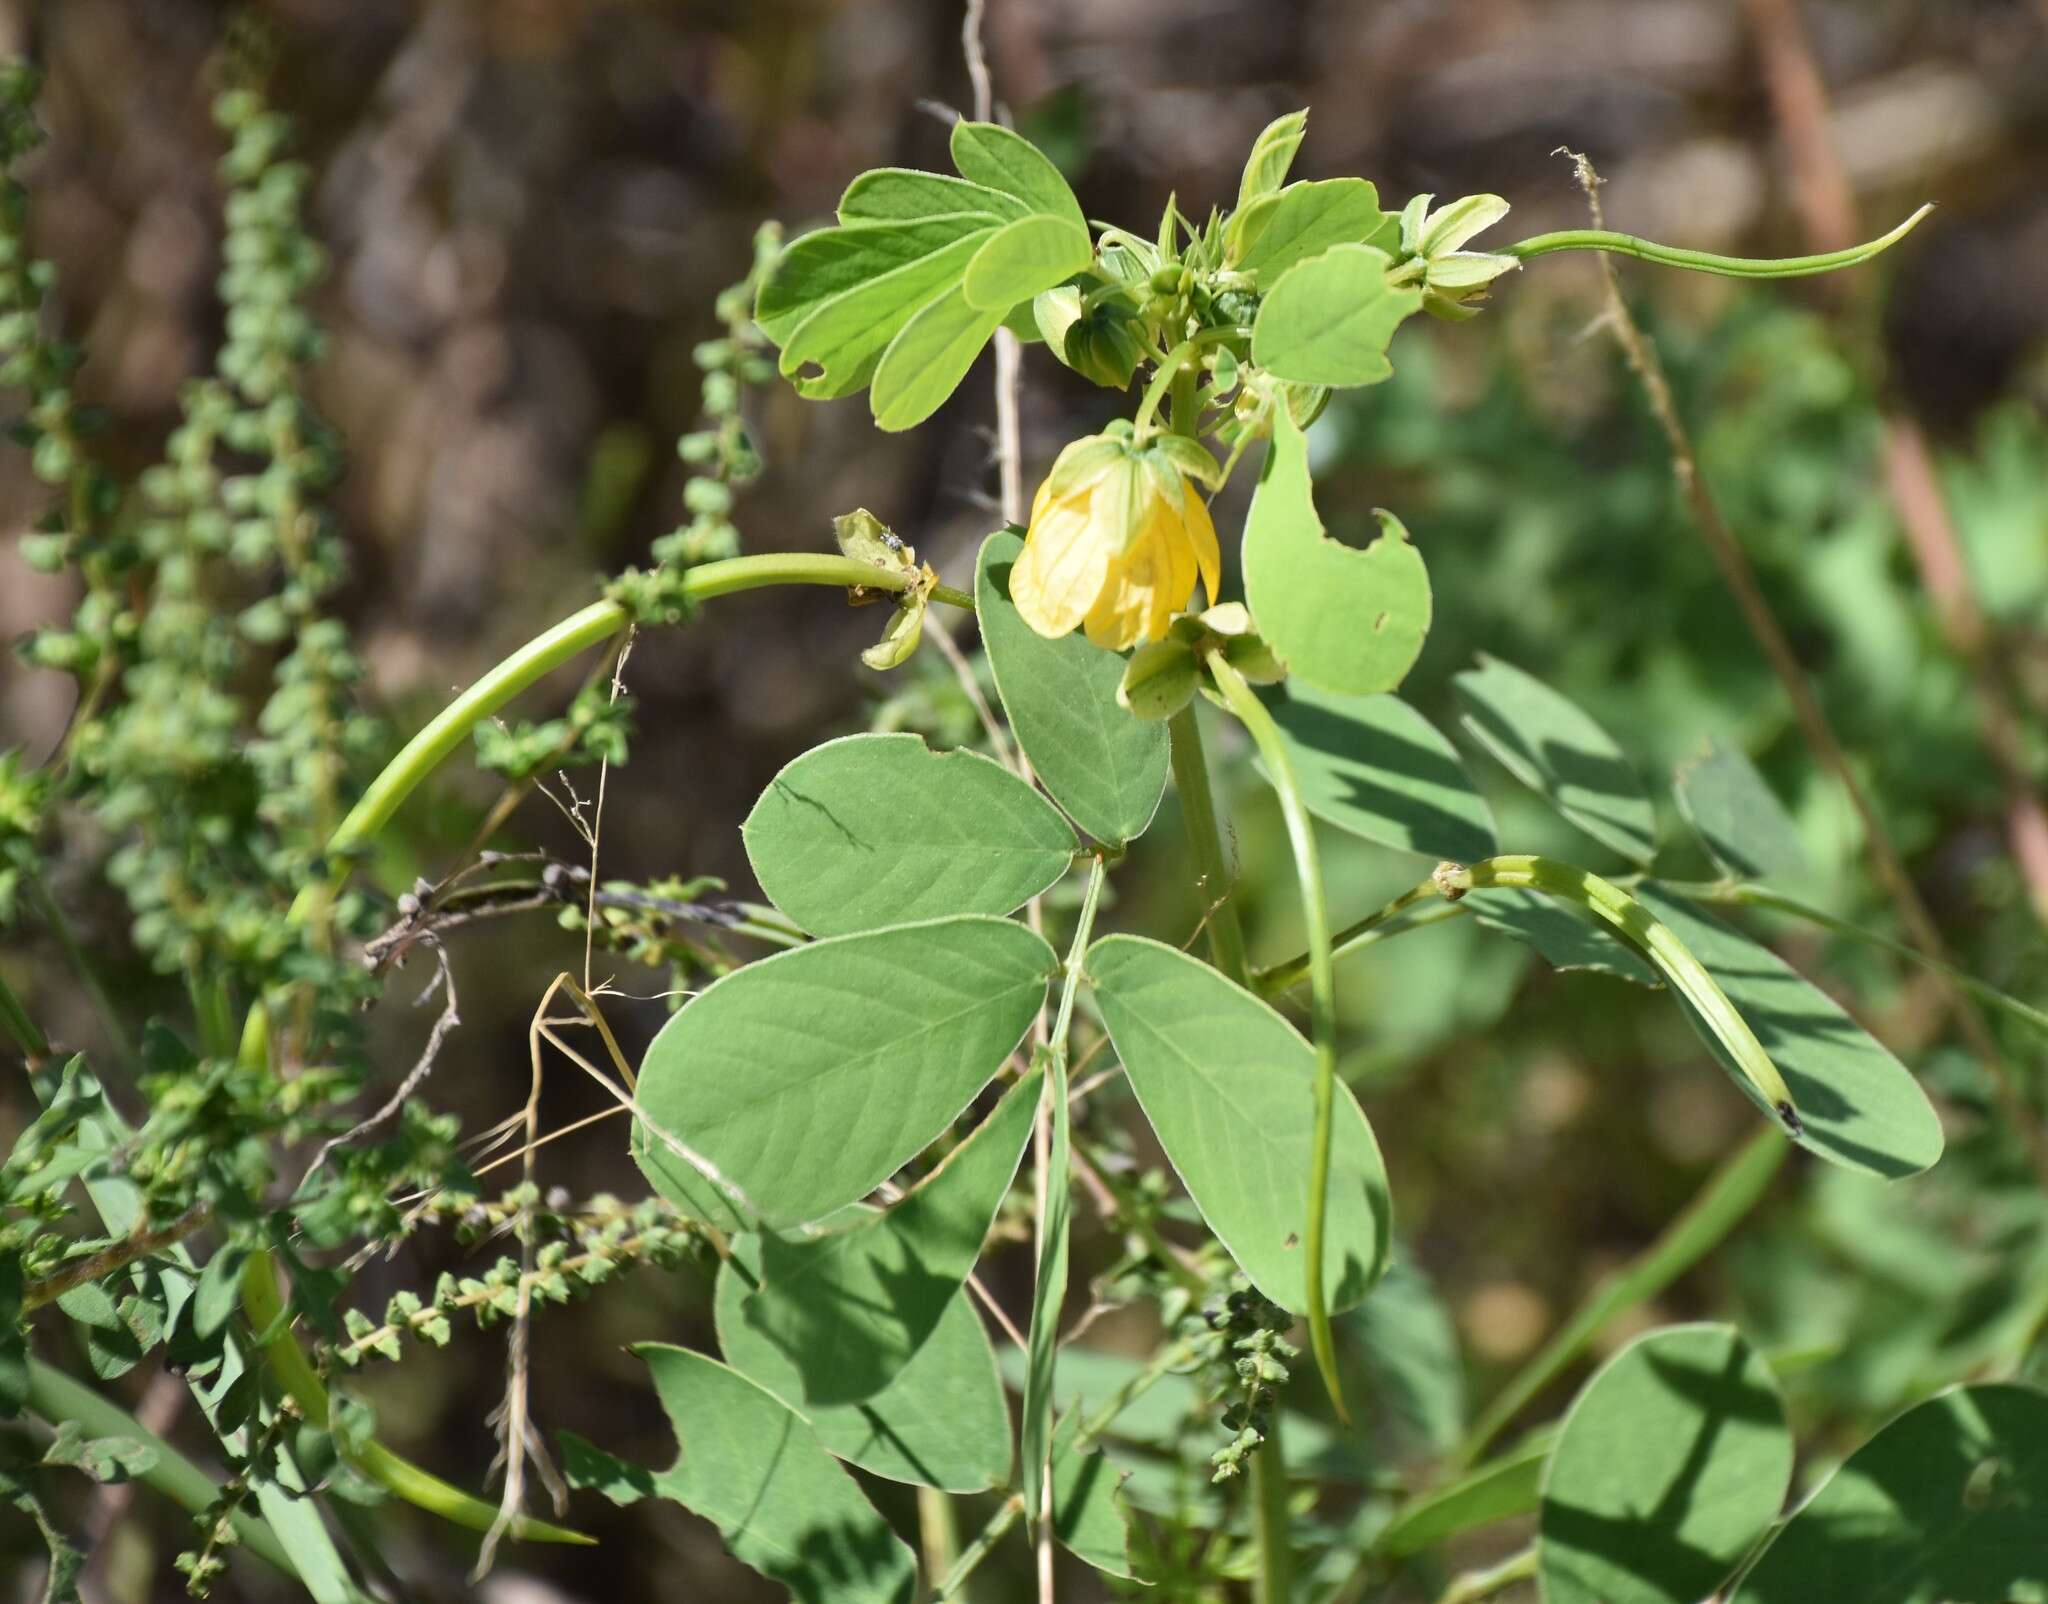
[1118, 537]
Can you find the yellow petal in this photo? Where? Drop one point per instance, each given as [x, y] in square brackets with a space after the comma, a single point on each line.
[1145, 586]
[1061, 571]
[1201, 530]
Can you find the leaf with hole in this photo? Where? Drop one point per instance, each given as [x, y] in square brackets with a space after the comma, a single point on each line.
[1229, 1087]
[1345, 620]
[1376, 767]
[875, 830]
[1329, 320]
[849, 1308]
[1555, 749]
[1861, 1107]
[1743, 826]
[1106, 768]
[941, 1422]
[1943, 1506]
[750, 1465]
[806, 1079]
[1670, 1464]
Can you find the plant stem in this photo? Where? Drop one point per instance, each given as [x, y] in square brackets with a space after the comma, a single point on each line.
[1745, 895]
[1601, 239]
[938, 1535]
[138, 1245]
[1275, 1581]
[263, 1302]
[980, 1549]
[1049, 1293]
[1301, 836]
[15, 1020]
[56, 1397]
[1729, 1194]
[1475, 1585]
[1281, 976]
[1213, 879]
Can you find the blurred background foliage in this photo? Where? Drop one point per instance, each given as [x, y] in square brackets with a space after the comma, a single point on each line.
[532, 205]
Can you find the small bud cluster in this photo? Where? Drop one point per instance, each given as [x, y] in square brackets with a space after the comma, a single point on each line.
[1254, 1330]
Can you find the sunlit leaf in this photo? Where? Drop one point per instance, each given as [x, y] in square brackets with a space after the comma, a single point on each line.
[1344, 620]
[1547, 743]
[1735, 815]
[1023, 258]
[876, 830]
[1946, 1505]
[1328, 320]
[928, 358]
[1105, 767]
[1566, 937]
[1376, 767]
[1671, 1462]
[1229, 1088]
[750, 1465]
[1277, 231]
[806, 1079]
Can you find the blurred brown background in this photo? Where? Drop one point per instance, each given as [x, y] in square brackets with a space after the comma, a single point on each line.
[531, 205]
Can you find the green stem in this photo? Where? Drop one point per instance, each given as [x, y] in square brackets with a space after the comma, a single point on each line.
[937, 1533]
[1301, 835]
[1654, 941]
[15, 1020]
[1742, 894]
[1050, 1290]
[1281, 976]
[263, 1302]
[1205, 840]
[1475, 1585]
[1600, 239]
[1729, 1194]
[1172, 370]
[56, 1397]
[980, 1549]
[1275, 1582]
[60, 927]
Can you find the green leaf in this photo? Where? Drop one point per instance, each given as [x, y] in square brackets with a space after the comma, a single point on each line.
[991, 155]
[586, 1465]
[1671, 1462]
[750, 1466]
[1329, 320]
[928, 358]
[1500, 1489]
[903, 194]
[848, 1308]
[13, 1338]
[940, 1423]
[1024, 258]
[1303, 220]
[1376, 767]
[1089, 1516]
[875, 830]
[1566, 937]
[808, 1078]
[1743, 826]
[1105, 767]
[1229, 1087]
[1345, 620]
[1944, 1504]
[1861, 1107]
[1265, 169]
[884, 270]
[1556, 750]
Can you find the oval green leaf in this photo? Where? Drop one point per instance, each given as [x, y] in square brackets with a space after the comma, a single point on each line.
[1861, 1107]
[1671, 1462]
[875, 830]
[1275, 232]
[1946, 1503]
[1024, 258]
[1557, 751]
[836, 298]
[928, 358]
[1346, 620]
[1104, 766]
[1567, 937]
[750, 1465]
[1229, 1087]
[1743, 826]
[1376, 767]
[941, 1423]
[806, 1079]
[1500, 1489]
[1329, 320]
[899, 194]
[1001, 159]
[849, 1308]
